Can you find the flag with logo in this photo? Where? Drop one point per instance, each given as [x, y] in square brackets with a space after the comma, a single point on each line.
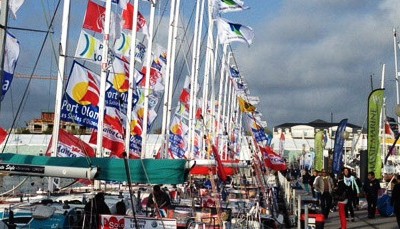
[338, 147]
[225, 6]
[273, 160]
[11, 54]
[229, 31]
[116, 95]
[375, 104]
[70, 146]
[113, 134]
[81, 99]
[127, 17]
[89, 48]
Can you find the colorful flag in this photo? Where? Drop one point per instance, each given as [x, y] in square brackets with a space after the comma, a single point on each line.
[319, 150]
[273, 160]
[229, 31]
[89, 48]
[338, 147]
[375, 104]
[127, 17]
[81, 98]
[70, 146]
[11, 53]
[245, 106]
[3, 135]
[225, 6]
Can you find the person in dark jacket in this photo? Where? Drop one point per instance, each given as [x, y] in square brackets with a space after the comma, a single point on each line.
[311, 182]
[306, 180]
[371, 188]
[93, 209]
[395, 201]
[158, 199]
[341, 196]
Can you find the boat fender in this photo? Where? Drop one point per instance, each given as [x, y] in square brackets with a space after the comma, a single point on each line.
[43, 212]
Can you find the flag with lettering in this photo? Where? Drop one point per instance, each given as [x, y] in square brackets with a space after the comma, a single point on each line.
[11, 54]
[273, 160]
[81, 98]
[225, 6]
[70, 146]
[89, 48]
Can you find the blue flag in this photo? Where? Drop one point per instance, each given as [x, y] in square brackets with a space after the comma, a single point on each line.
[338, 148]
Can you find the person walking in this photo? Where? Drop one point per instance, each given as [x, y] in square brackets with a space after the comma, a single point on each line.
[341, 196]
[371, 188]
[350, 182]
[395, 201]
[311, 182]
[324, 185]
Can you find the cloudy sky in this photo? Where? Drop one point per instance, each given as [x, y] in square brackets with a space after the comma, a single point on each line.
[309, 59]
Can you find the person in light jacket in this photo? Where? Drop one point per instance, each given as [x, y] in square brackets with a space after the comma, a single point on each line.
[324, 184]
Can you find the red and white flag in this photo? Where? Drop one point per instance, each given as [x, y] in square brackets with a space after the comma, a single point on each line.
[127, 17]
[388, 130]
[273, 160]
[70, 146]
[3, 135]
[94, 18]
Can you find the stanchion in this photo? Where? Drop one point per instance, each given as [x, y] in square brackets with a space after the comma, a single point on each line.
[299, 212]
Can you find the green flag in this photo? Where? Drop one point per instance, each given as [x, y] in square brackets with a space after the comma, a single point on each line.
[375, 103]
[319, 145]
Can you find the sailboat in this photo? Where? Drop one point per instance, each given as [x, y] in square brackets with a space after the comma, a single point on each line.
[116, 79]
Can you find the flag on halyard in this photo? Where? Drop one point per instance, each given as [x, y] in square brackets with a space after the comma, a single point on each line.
[14, 6]
[273, 160]
[245, 106]
[70, 146]
[225, 6]
[94, 17]
[89, 48]
[319, 150]
[127, 17]
[80, 101]
[229, 31]
[375, 103]
[11, 53]
[338, 147]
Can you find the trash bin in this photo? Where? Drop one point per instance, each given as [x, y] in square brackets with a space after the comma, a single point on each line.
[316, 221]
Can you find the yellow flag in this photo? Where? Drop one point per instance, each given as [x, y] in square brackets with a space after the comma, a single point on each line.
[245, 106]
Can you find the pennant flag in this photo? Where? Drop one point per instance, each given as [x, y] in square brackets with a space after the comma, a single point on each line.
[81, 98]
[70, 146]
[319, 150]
[14, 6]
[338, 147]
[3, 135]
[375, 103]
[245, 106]
[11, 53]
[225, 6]
[228, 32]
[273, 160]
[127, 17]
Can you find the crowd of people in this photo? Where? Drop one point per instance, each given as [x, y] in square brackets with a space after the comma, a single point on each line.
[343, 192]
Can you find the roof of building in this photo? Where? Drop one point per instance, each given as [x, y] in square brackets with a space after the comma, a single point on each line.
[318, 123]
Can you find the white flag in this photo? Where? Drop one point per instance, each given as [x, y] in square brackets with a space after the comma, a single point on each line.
[229, 31]
[14, 6]
[11, 53]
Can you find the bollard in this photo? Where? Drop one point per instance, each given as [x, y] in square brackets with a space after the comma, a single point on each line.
[299, 212]
[305, 216]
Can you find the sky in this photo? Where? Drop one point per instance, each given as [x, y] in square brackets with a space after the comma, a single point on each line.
[309, 60]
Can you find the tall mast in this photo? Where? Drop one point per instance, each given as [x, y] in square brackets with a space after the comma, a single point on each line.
[396, 72]
[169, 77]
[60, 80]
[103, 77]
[147, 82]
[131, 77]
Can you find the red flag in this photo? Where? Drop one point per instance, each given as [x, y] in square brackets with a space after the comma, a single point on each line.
[71, 146]
[273, 160]
[112, 136]
[185, 97]
[127, 16]
[3, 135]
[94, 18]
[388, 129]
[221, 170]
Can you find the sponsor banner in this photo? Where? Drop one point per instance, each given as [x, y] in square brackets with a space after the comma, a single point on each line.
[117, 221]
